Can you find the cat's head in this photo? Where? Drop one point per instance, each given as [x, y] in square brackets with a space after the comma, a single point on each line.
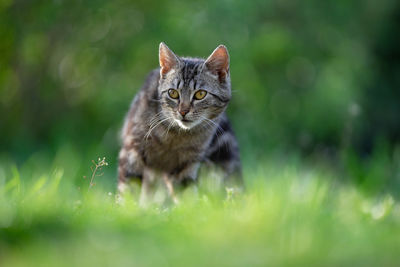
[194, 91]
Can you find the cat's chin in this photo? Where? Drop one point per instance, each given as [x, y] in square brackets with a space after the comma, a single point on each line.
[186, 125]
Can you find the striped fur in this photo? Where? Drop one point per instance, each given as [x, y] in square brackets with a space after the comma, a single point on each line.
[157, 141]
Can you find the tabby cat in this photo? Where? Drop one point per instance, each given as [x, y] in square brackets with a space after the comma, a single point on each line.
[176, 122]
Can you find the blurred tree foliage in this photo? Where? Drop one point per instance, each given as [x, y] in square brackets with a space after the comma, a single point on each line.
[306, 75]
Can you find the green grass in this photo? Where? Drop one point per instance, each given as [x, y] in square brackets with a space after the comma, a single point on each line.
[288, 216]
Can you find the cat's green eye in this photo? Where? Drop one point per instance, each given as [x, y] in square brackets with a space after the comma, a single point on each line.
[200, 94]
[173, 93]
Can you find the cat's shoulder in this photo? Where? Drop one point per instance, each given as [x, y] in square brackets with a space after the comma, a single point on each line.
[152, 79]
[149, 90]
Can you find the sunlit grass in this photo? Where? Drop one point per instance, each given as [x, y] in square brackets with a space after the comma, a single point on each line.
[288, 216]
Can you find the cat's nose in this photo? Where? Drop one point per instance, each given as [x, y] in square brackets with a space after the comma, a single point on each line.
[183, 112]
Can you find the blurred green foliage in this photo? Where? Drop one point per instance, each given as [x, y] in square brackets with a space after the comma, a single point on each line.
[311, 76]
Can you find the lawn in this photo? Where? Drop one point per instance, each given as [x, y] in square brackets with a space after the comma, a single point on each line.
[290, 214]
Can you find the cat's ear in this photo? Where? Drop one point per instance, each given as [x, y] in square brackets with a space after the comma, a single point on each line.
[168, 60]
[218, 62]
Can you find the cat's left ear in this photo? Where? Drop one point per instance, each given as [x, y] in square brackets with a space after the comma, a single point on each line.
[218, 62]
[168, 60]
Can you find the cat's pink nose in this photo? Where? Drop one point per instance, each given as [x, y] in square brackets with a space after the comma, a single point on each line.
[183, 109]
[183, 112]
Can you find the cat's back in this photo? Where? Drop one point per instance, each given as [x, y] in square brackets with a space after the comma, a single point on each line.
[150, 85]
[144, 101]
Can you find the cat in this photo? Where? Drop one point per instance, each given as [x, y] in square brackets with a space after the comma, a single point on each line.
[176, 122]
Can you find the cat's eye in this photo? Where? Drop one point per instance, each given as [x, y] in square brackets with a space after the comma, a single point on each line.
[200, 94]
[173, 93]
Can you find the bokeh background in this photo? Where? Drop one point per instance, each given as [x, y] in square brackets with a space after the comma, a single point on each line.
[316, 109]
[317, 81]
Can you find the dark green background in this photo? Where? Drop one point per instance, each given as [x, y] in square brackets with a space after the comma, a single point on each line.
[320, 79]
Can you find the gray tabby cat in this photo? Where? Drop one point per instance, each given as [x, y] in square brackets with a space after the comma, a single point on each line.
[177, 121]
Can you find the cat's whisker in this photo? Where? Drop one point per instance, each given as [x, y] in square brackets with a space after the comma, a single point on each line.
[218, 135]
[155, 120]
[211, 127]
[152, 128]
[218, 130]
[156, 117]
[171, 123]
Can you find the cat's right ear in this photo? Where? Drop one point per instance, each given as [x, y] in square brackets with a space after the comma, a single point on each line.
[168, 60]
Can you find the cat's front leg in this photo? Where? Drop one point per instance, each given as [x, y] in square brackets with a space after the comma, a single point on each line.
[148, 187]
[169, 183]
[130, 171]
[183, 179]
